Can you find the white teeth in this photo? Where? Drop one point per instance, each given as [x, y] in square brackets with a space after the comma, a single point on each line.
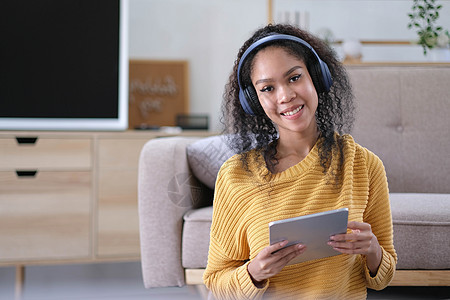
[290, 113]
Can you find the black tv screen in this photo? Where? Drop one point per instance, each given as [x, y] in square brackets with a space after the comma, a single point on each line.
[63, 64]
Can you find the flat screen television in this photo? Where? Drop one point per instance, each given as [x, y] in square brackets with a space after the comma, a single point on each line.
[64, 65]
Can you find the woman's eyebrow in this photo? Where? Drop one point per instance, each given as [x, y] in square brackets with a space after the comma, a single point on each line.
[263, 81]
[292, 70]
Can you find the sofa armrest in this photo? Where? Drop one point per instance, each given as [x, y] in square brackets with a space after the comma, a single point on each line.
[163, 197]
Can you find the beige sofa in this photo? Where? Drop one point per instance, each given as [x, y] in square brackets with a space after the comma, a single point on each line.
[403, 116]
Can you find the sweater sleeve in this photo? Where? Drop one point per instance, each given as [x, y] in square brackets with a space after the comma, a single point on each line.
[226, 273]
[228, 278]
[378, 215]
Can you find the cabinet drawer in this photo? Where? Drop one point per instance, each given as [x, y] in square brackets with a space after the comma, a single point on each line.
[45, 217]
[118, 223]
[120, 153]
[45, 154]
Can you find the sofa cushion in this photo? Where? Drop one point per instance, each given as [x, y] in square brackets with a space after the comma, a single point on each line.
[197, 224]
[206, 156]
[421, 232]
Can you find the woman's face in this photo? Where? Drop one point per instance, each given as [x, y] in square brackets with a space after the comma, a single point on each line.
[285, 90]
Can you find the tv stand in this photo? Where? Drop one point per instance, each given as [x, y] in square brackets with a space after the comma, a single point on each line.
[70, 197]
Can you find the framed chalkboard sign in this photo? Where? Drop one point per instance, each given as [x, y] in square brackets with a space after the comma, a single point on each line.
[158, 92]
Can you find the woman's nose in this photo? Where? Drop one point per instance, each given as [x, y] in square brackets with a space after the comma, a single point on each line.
[285, 94]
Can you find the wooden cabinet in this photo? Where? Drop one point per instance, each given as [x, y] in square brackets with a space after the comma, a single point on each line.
[118, 222]
[46, 216]
[70, 197]
[45, 198]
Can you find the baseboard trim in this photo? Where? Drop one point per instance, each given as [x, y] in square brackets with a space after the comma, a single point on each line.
[401, 277]
[421, 278]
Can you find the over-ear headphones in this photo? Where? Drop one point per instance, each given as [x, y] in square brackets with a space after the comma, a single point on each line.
[319, 72]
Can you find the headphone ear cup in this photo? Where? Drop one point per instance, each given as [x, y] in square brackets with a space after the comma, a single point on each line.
[316, 77]
[321, 77]
[253, 100]
[244, 102]
[326, 76]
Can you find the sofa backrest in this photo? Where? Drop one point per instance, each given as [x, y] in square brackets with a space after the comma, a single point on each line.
[403, 116]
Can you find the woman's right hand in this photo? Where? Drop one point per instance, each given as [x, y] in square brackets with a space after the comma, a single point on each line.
[267, 263]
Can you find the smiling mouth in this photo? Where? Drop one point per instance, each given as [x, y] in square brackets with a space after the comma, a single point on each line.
[292, 112]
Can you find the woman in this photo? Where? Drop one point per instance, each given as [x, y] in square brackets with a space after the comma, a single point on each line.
[287, 105]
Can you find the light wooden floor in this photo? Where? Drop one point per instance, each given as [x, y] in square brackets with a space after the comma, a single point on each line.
[124, 281]
[118, 281]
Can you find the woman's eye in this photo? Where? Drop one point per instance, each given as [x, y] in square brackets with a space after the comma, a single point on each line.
[295, 78]
[267, 89]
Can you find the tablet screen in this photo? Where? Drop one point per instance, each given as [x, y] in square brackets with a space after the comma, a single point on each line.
[312, 230]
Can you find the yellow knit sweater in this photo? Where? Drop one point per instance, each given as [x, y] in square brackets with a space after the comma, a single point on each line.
[245, 202]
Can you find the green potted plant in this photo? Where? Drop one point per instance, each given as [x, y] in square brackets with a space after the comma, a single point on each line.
[423, 18]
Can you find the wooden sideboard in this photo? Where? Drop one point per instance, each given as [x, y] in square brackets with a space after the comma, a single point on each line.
[70, 197]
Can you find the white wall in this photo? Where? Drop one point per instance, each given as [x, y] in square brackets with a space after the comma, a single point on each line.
[364, 20]
[208, 33]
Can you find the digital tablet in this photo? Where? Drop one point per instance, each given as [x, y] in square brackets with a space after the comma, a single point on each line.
[313, 231]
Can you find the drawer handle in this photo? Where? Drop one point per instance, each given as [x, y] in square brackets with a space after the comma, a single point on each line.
[26, 173]
[26, 140]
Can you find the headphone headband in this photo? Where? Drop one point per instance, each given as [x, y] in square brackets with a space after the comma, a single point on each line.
[247, 94]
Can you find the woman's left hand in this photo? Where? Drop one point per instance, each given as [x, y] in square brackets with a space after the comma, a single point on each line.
[360, 240]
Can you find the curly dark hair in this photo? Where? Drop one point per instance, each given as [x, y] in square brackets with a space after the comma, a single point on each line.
[335, 111]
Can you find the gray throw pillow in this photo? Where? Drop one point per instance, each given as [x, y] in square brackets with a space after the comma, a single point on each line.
[206, 156]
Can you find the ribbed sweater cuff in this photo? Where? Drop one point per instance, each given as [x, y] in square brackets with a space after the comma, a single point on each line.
[249, 290]
[384, 274]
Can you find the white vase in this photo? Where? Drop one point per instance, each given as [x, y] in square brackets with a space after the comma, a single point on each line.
[439, 55]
